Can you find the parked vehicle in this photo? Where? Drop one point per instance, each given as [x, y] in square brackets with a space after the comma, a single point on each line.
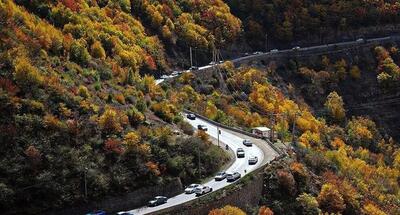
[233, 177]
[274, 50]
[98, 212]
[158, 200]
[253, 160]
[220, 176]
[240, 153]
[202, 127]
[247, 142]
[203, 190]
[191, 188]
[194, 68]
[191, 116]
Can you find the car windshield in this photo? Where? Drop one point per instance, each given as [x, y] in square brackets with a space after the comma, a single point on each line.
[221, 173]
[192, 185]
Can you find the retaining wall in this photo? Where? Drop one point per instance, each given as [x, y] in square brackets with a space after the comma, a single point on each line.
[125, 202]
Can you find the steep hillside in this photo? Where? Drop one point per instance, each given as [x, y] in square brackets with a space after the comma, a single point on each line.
[296, 22]
[75, 109]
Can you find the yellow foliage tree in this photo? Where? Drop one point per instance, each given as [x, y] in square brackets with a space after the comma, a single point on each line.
[334, 105]
[227, 210]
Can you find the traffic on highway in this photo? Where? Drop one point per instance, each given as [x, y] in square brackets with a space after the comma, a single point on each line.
[240, 167]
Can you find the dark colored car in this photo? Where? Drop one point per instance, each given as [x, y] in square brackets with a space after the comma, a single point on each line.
[253, 160]
[220, 176]
[191, 116]
[202, 127]
[240, 153]
[99, 212]
[158, 200]
[233, 177]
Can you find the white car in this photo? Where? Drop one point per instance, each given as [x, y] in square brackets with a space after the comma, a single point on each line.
[296, 48]
[191, 188]
[274, 50]
[220, 176]
[164, 76]
[203, 190]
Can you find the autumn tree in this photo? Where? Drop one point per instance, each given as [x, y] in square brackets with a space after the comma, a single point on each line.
[330, 200]
[264, 210]
[97, 50]
[308, 204]
[227, 210]
[334, 104]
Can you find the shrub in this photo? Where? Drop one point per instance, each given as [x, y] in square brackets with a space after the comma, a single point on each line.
[79, 54]
[26, 75]
[97, 50]
[186, 127]
[83, 92]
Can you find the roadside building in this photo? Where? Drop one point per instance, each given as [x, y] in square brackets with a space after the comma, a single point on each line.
[262, 132]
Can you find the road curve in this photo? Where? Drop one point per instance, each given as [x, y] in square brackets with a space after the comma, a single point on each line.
[234, 141]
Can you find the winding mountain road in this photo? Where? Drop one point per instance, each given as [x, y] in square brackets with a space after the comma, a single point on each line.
[234, 141]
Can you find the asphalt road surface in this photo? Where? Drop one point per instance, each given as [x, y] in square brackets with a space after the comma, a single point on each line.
[239, 165]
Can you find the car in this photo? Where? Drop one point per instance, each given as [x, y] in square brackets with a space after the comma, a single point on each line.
[194, 68]
[98, 212]
[246, 54]
[253, 160]
[203, 190]
[247, 142]
[257, 53]
[231, 177]
[240, 153]
[125, 213]
[158, 200]
[191, 188]
[221, 61]
[212, 63]
[360, 40]
[191, 116]
[274, 50]
[296, 48]
[220, 176]
[202, 127]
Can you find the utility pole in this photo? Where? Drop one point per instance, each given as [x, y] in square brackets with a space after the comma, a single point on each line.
[85, 173]
[219, 132]
[198, 151]
[191, 57]
[294, 128]
[195, 56]
[272, 128]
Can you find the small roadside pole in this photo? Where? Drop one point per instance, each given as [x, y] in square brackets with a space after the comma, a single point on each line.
[219, 132]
